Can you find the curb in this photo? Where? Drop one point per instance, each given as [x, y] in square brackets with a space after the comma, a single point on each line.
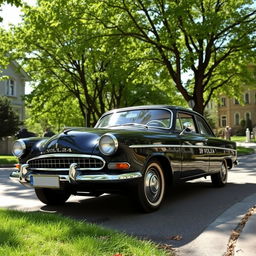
[7, 165]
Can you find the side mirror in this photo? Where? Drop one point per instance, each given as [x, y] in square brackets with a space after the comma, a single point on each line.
[186, 127]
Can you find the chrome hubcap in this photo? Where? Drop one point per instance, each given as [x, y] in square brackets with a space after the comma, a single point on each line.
[152, 185]
[223, 172]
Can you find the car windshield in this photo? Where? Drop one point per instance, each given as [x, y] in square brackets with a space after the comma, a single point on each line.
[143, 117]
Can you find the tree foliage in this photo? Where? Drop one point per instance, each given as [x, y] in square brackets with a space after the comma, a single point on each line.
[91, 56]
[9, 119]
[63, 51]
[210, 39]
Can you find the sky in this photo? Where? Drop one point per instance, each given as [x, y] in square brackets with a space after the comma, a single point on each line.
[10, 15]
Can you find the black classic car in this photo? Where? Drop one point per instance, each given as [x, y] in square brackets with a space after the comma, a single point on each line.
[139, 151]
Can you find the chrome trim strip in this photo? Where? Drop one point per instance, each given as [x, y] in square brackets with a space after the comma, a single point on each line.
[52, 169]
[178, 146]
[97, 177]
[103, 177]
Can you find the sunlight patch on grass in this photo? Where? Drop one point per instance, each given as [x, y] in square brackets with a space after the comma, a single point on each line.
[33, 234]
[245, 151]
[8, 160]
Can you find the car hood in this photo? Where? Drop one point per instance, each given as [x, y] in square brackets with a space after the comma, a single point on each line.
[84, 141]
[73, 141]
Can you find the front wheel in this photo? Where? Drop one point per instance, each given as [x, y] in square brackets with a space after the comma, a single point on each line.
[151, 188]
[220, 179]
[52, 196]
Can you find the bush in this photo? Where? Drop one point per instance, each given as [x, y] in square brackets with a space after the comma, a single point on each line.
[9, 119]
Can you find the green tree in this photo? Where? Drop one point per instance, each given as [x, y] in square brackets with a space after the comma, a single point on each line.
[53, 107]
[63, 52]
[9, 119]
[210, 39]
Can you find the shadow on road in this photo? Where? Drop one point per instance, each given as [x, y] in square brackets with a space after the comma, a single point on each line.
[188, 209]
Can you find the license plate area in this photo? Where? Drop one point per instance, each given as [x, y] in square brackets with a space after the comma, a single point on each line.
[45, 181]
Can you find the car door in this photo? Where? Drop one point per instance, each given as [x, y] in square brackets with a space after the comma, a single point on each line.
[213, 147]
[194, 161]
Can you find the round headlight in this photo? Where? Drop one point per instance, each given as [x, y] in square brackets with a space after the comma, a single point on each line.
[19, 147]
[108, 144]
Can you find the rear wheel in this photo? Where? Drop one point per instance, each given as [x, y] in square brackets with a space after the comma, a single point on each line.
[52, 196]
[151, 188]
[220, 179]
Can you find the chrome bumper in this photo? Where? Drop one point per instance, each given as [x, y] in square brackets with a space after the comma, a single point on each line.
[23, 176]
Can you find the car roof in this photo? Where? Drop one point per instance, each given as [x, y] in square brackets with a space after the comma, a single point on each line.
[170, 107]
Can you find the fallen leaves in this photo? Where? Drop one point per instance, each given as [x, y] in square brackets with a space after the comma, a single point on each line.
[175, 238]
[237, 231]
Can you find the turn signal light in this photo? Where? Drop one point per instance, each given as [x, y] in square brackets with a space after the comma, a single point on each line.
[17, 166]
[119, 166]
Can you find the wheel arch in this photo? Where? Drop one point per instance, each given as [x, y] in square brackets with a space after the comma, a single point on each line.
[166, 166]
[229, 162]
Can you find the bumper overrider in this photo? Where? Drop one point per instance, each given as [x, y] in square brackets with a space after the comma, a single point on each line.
[40, 176]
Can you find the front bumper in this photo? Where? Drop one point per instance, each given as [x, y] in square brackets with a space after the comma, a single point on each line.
[24, 176]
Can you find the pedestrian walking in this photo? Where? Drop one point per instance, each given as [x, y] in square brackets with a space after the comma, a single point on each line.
[227, 133]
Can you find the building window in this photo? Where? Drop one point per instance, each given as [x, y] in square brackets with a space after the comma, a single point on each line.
[247, 98]
[236, 102]
[223, 121]
[223, 102]
[10, 87]
[237, 119]
[248, 116]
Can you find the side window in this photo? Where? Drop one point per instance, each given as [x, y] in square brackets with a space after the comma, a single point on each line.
[203, 127]
[178, 125]
[182, 119]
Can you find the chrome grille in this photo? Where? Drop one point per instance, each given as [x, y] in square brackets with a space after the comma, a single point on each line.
[63, 161]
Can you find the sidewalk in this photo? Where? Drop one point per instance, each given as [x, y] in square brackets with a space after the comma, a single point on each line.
[246, 144]
[246, 244]
[214, 240]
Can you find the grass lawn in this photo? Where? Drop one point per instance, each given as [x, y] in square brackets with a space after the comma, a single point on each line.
[240, 139]
[36, 234]
[244, 151]
[8, 160]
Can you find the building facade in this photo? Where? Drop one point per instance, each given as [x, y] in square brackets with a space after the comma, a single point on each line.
[235, 115]
[13, 87]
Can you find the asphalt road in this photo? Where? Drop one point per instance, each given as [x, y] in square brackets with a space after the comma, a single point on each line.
[188, 209]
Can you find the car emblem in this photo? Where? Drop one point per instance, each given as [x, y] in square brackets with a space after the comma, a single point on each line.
[58, 150]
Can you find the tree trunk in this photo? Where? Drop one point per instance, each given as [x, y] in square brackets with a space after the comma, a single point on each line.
[199, 107]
